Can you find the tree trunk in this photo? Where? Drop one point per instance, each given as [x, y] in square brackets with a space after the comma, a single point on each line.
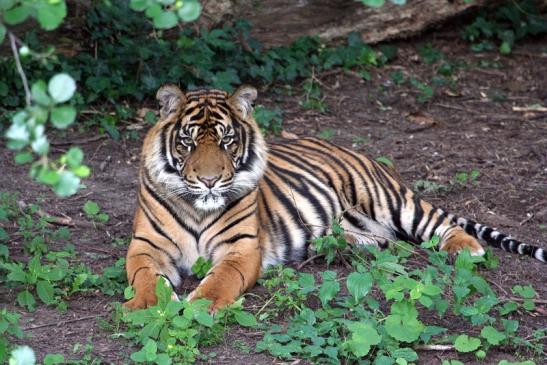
[279, 22]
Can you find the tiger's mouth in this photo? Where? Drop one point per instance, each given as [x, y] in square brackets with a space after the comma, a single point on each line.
[210, 201]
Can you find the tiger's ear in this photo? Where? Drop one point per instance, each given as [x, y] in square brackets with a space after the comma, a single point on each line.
[171, 99]
[242, 100]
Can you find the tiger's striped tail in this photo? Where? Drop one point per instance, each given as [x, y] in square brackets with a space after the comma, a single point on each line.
[499, 240]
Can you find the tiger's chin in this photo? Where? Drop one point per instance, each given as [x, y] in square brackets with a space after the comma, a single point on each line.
[210, 202]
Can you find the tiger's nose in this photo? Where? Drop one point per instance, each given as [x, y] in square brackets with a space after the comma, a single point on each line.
[209, 181]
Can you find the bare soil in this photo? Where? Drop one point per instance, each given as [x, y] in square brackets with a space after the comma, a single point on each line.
[471, 126]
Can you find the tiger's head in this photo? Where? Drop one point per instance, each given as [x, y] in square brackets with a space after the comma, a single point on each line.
[207, 147]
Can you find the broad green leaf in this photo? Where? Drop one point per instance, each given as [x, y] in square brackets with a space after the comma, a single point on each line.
[18, 133]
[3, 32]
[526, 291]
[405, 353]
[23, 158]
[190, 10]
[359, 284]
[406, 329]
[204, 318]
[16, 15]
[465, 343]
[45, 292]
[61, 87]
[373, 3]
[68, 184]
[363, 337]
[74, 157]
[139, 5]
[22, 355]
[50, 14]
[492, 335]
[39, 93]
[40, 145]
[54, 359]
[63, 116]
[246, 319]
[165, 20]
[81, 171]
[26, 299]
[329, 288]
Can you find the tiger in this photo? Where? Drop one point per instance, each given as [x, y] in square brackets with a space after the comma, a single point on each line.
[210, 186]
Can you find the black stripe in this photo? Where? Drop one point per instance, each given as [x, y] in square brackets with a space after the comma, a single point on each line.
[424, 228]
[418, 216]
[348, 180]
[304, 191]
[163, 152]
[227, 227]
[287, 204]
[136, 272]
[167, 206]
[439, 221]
[161, 249]
[232, 264]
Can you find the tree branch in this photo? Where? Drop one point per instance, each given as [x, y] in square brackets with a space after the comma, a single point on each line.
[20, 68]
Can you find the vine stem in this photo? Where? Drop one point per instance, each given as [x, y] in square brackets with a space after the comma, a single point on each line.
[20, 68]
[434, 347]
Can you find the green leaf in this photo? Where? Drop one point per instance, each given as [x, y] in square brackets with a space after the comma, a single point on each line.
[63, 116]
[45, 292]
[61, 87]
[16, 15]
[54, 359]
[23, 158]
[405, 353]
[329, 288]
[74, 156]
[246, 319]
[68, 184]
[128, 293]
[3, 32]
[492, 335]
[189, 11]
[204, 318]
[25, 299]
[373, 3]
[386, 161]
[465, 343]
[139, 5]
[359, 284]
[363, 337]
[505, 47]
[165, 20]
[39, 93]
[22, 355]
[40, 145]
[406, 329]
[51, 14]
[526, 292]
[81, 171]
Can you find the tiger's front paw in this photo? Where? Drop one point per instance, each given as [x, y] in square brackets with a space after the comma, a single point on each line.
[142, 301]
[460, 241]
[218, 301]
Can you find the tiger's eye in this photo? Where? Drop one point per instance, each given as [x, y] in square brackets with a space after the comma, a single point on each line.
[187, 141]
[227, 139]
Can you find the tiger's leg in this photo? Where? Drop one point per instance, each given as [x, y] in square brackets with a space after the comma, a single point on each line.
[144, 266]
[393, 207]
[236, 270]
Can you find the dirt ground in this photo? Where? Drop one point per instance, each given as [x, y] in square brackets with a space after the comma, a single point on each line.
[471, 126]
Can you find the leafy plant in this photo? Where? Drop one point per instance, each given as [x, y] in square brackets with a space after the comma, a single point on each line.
[93, 212]
[269, 120]
[201, 267]
[507, 24]
[172, 331]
